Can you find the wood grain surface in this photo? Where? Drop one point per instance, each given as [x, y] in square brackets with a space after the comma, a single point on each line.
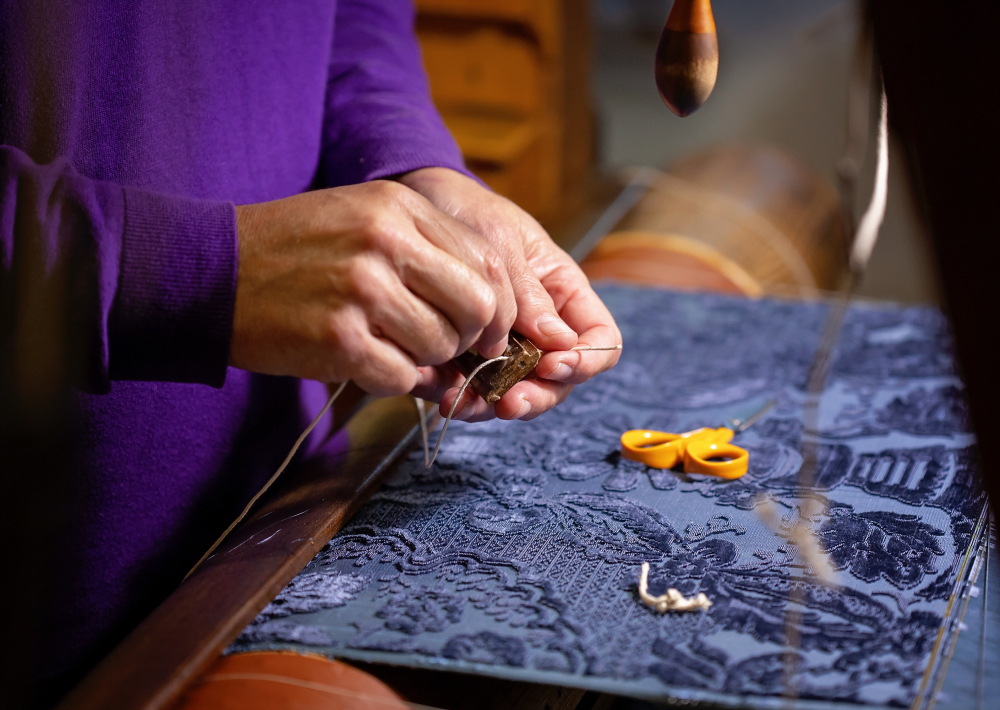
[759, 208]
[691, 16]
[269, 680]
[174, 645]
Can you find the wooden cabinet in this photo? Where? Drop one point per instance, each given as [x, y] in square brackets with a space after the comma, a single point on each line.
[511, 79]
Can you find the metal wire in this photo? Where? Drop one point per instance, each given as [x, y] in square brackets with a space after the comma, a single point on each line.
[981, 673]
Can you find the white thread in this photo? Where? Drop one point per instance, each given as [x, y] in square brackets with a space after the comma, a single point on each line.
[673, 600]
[454, 404]
[587, 348]
[871, 220]
[429, 460]
[262, 491]
[423, 429]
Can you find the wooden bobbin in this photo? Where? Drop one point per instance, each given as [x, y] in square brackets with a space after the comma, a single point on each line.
[493, 381]
[734, 219]
[687, 56]
[277, 680]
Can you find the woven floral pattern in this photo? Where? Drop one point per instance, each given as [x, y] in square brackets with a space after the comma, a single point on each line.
[518, 553]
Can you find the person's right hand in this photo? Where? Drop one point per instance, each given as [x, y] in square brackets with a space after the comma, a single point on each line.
[365, 282]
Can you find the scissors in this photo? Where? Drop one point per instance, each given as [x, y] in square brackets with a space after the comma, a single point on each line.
[704, 450]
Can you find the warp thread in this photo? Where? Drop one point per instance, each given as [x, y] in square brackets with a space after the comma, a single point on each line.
[673, 600]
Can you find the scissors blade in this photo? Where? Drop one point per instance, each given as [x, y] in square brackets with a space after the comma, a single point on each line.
[738, 425]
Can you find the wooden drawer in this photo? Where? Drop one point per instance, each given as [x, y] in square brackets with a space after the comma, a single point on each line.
[492, 139]
[483, 69]
[540, 16]
[510, 10]
[517, 158]
[511, 79]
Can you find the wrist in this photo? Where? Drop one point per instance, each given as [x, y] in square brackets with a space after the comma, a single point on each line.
[429, 178]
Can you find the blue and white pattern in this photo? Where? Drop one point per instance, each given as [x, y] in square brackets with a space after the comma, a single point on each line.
[518, 553]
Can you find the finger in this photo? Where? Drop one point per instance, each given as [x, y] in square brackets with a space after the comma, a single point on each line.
[468, 247]
[446, 283]
[508, 228]
[407, 320]
[435, 381]
[375, 364]
[472, 407]
[582, 309]
[530, 398]
[537, 316]
[481, 415]
[441, 384]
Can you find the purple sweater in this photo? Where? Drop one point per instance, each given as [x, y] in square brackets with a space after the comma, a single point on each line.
[129, 131]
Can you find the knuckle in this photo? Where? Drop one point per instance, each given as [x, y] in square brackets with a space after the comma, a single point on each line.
[376, 229]
[494, 269]
[358, 278]
[482, 307]
[344, 339]
[436, 349]
[389, 192]
[397, 380]
[442, 350]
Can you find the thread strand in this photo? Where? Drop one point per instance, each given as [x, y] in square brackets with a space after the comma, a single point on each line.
[451, 412]
[423, 430]
[429, 460]
[270, 482]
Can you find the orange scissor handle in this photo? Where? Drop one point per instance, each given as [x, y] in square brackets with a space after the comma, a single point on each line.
[659, 449]
[695, 449]
[698, 454]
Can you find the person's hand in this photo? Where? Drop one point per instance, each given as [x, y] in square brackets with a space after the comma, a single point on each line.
[556, 307]
[365, 282]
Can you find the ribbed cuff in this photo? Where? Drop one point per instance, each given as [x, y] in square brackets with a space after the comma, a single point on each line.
[172, 319]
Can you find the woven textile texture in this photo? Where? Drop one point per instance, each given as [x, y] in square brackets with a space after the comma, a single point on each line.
[518, 553]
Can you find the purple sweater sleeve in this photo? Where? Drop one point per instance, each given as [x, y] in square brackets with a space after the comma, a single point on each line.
[380, 120]
[100, 282]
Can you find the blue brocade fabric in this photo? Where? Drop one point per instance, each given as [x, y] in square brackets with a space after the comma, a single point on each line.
[518, 553]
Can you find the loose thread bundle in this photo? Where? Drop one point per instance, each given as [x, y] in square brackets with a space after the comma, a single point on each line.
[673, 600]
[270, 482]
[429, 461]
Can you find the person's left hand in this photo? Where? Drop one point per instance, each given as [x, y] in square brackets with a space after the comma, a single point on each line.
[556, 307]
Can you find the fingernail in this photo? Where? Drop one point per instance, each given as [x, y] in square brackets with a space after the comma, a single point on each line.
[524, 411]
[466, 410]
[496, 350]
[561, 372]
[549, 324]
